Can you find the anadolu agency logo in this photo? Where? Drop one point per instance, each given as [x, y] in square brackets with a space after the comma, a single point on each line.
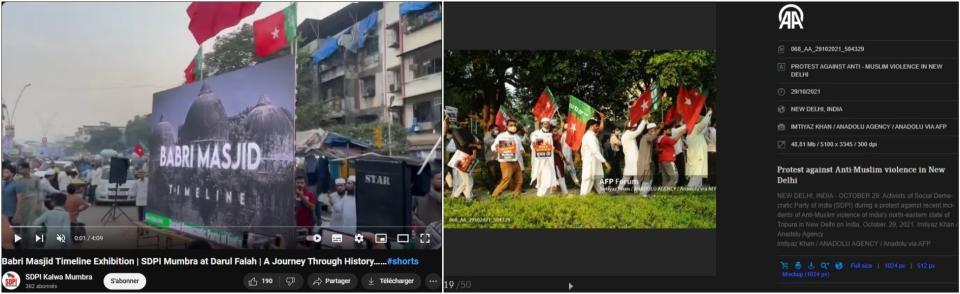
[11, 280]
[790, 16]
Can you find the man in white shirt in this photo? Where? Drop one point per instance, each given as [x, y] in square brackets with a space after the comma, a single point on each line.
[139, 188]
[93, 177]
[696, 161]
[344, 210]
[592, 159]
[631, 156]
[509, 151]
[45, 185]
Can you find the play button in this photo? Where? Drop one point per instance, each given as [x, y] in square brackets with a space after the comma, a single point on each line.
[16, 238]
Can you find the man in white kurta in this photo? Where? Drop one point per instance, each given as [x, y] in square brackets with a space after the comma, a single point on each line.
[344, 212]
[592, 160]
[696, 168]
[631, 156]
[543, 172]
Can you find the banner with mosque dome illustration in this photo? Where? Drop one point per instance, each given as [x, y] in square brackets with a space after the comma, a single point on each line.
[222, 153]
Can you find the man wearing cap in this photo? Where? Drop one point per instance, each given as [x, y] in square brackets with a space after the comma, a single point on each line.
[326, 201]
[630, 155]
[344, 209]
[543, 172]
[351, 185]
[645, 157]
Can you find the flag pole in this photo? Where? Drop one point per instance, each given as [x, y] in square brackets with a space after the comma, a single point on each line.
[199, 62]
[293, 51]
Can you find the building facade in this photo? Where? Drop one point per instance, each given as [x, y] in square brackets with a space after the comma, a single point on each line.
[380, 62]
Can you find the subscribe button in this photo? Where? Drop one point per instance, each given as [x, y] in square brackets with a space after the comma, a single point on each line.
[124, 281]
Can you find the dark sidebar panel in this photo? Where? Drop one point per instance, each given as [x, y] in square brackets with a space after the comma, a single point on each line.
[842, 134]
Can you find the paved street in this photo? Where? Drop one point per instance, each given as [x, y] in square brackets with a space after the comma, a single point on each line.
[119, 234]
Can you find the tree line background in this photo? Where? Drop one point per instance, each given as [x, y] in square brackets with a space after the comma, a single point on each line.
[476, 82]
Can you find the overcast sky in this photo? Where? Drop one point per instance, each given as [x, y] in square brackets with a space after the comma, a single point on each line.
[99, 61]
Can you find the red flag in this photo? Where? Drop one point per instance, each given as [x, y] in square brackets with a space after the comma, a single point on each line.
[138, 150]
[501, 119]
[545, 106]
[640, 108]
[274, 32]
[668, 117]
[189, 74]
[689, 106]
[209, 18]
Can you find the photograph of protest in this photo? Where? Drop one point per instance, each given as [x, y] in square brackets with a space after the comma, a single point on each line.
[580, 139]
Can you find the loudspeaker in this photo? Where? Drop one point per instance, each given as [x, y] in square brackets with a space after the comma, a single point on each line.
[118, 170]
[384, 202]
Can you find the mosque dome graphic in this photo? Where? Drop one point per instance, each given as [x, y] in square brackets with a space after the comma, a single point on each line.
[272, 126]
[206, 120]
[166, 135]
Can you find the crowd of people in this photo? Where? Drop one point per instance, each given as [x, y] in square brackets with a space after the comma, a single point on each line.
[49, 197]
[628, 160]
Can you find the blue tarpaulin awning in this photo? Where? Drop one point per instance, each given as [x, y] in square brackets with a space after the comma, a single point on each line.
[365, 26]
[337, 140]
[368, 22]
[408, 7]
[326, 49]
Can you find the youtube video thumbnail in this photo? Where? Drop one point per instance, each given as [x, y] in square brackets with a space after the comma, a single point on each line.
[221, 146]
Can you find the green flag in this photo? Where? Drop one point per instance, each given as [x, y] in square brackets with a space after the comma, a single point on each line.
[577, 115]
[194, 70]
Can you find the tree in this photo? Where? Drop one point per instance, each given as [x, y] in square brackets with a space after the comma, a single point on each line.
[234, 51]
[137, 130]
[107, 138]
[364, 132]
[606, 79]
[309, 115]
[305, 79]
[479, 78]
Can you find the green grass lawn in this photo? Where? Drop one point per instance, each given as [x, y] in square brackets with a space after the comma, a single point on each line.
[660, 211]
